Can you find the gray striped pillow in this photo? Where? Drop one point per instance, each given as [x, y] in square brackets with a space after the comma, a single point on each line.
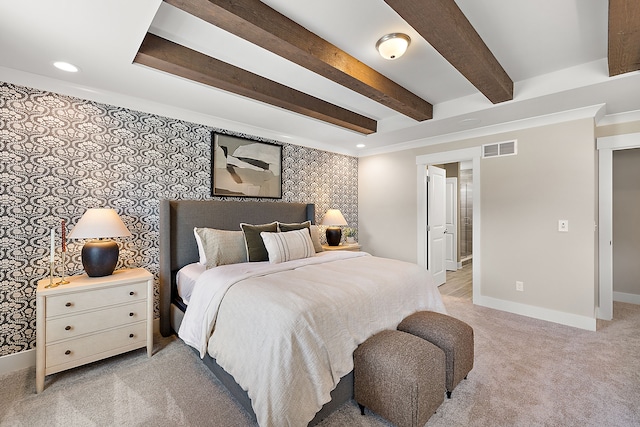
[288, 246]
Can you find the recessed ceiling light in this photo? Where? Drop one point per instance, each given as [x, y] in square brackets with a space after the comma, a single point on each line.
[360, 146]
[65, 66]
[472, 121]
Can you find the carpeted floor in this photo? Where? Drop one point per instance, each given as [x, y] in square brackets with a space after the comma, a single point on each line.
[527, 373]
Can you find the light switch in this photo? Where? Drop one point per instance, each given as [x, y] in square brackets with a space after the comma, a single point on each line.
[563, 225]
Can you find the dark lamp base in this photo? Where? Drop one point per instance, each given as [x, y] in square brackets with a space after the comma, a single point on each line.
[334, 235]
[99, 257]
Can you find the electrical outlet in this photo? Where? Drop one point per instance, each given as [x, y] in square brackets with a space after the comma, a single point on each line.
[520, 286]
[563, 225]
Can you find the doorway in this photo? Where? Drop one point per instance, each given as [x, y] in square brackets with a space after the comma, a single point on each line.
[465, 181]
[472, 155]
[606, 146]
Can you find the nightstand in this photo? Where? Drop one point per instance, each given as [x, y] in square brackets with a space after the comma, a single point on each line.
[355, 247]
[92, 318]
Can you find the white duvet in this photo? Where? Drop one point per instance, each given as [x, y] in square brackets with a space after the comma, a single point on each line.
[286, 332]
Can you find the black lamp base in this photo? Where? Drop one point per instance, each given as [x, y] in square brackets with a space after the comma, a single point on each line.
[99, 257]
[334, 235]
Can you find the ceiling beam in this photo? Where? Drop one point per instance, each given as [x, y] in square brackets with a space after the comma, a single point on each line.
[444, 26]
[256, 22]
[164, 55]
[624, 36]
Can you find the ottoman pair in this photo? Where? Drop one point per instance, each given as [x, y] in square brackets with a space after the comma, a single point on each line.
[402, 375]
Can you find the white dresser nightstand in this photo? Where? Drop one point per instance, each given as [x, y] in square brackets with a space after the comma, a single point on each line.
[92, 318]
[355, 247]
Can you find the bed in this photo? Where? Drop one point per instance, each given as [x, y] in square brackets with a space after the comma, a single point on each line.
[320, 359]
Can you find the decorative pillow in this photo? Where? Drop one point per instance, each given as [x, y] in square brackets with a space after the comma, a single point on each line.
[284, 227]
[313, 230]
[255, 249]
[288, 246]
[315, 238]
[202, 255]
[220, 247]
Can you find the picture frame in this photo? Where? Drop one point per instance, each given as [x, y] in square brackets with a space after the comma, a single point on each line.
[245, 167]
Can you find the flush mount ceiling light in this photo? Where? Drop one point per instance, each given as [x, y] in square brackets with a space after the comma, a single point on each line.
[393, 46]
[65, 66]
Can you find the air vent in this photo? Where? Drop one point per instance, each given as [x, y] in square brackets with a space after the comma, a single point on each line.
[507, 148]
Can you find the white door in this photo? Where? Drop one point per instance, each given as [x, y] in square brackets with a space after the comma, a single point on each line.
[436, 214]
[451, 220]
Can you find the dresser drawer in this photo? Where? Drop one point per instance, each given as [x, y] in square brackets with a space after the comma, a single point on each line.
[93, 321]
[77, 349]
[91, 299]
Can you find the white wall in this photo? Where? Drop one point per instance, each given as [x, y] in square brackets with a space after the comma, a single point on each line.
[387, 209]
[522, 198]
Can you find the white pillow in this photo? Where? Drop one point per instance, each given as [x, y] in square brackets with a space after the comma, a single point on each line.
[288, 246]
[220, 247]
[313, 229]
[201, 253]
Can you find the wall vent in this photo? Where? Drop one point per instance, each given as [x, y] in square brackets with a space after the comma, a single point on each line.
[498, 149]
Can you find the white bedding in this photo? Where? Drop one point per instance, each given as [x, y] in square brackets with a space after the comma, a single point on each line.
[286, 332]
[186, 279]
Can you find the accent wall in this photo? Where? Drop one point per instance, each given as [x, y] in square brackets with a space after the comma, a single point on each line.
[61, 155]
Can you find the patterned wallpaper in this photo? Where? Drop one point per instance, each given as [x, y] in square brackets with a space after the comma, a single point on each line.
[61, 155]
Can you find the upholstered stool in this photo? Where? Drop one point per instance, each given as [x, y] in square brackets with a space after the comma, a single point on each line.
[400, 377]
[453, 336]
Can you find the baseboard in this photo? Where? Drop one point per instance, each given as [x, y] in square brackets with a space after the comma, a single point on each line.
[568, 319]
[17, 361]
[624, 297]
[27, 359]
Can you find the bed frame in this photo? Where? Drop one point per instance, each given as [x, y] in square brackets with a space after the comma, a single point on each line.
[178, 248]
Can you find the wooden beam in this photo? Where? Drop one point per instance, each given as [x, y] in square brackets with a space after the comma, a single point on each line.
[624, 36]
[164, 55]
[444, 26]
[256, 22]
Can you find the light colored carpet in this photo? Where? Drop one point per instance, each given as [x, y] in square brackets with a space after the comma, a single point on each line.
[527, 373]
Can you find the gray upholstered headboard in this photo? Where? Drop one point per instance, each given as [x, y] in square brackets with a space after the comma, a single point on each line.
[177, 242]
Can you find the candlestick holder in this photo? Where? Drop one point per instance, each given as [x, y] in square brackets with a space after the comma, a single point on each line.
[62, 281]
[51, 284]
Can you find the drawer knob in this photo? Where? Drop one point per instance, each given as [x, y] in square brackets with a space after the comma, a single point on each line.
[130, 335]
[132, 293]
[131, 314]
[68, 352]
[67, 328]
[68, 304]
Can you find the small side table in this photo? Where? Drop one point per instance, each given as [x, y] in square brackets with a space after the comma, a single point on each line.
[354, 247]
[92, 318]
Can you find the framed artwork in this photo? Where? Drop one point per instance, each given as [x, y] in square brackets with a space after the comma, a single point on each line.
[243, 167]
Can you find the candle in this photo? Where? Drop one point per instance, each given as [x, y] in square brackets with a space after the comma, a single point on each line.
[64, 237]
[53, 244]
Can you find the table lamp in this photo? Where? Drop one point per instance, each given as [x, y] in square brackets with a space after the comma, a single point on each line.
[334, 219]
[100, 255]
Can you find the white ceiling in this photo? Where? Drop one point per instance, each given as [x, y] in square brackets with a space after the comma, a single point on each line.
[554, 50]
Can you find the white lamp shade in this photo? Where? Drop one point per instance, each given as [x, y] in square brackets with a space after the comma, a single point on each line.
[99, 223]
[393, 46]
[333, 217]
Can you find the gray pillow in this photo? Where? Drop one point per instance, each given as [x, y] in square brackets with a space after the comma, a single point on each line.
[294, 226]
[256, 251]
[220, 247]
